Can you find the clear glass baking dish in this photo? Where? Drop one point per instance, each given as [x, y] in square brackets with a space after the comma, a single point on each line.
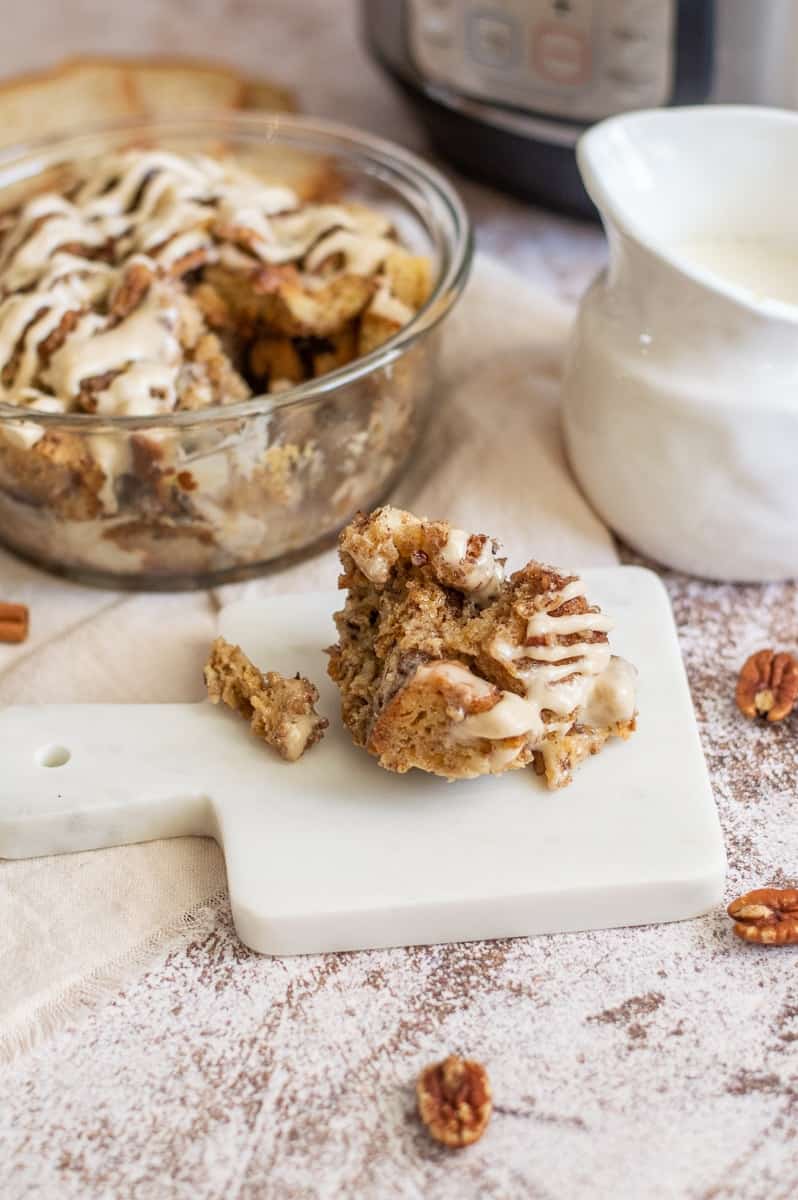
[249, 483]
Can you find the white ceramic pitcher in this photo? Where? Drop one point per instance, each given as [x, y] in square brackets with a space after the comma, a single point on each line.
[680, 398]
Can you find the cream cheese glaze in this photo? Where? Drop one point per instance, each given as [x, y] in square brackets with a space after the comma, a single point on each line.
[445, 667]
[480, 575]
[575, 682]
[582, 682]
[456, 675]
[145, 339]
[466, 562]
[153, 208]
[385, 304]
[613, 695]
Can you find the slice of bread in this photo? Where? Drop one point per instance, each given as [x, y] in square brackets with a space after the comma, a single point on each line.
[83, 90]
[162, 86]
[64, 99]
[261, 95]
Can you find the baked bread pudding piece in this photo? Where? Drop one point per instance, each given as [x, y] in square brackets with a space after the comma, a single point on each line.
[281, 711]
[158, 283]
[445, 665]
[154, 284]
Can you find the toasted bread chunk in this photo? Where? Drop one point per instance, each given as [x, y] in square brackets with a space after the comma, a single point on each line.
[281, 711]
[446, 666]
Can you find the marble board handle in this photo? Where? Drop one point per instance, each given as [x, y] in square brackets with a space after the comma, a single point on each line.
[80, 777]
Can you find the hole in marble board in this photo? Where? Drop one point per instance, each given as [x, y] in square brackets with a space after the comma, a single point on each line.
[53, 756]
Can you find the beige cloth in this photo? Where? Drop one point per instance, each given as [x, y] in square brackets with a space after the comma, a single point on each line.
[73, 927]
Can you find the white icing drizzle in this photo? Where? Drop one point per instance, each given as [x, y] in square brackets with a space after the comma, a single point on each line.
[25, 434]
[579, 683]
[613, 695]
[512, 716]
[481, 575]
[22, 259]
[455, 675]
[185, 243]
[112, 455]
[563, 684]
[453, 550]
[154, 207]
[236, 259]
[144, 388]
[295, 233]
[542, 624]
[147, 335]
[384, 304]
[362, 255]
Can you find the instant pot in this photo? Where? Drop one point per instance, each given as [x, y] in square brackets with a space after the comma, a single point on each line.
[505, 87]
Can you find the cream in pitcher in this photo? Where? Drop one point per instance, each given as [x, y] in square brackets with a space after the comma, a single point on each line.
[680, 397]
[767, 267]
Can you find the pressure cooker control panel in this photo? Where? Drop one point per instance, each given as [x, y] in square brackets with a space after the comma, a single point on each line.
[579, 59]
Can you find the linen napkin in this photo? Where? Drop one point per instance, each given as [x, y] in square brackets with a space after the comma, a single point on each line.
[72, 928]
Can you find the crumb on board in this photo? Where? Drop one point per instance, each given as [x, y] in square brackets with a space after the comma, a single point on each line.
[280, 710]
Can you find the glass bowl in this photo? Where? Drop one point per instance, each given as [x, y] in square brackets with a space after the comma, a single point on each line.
[242, 486]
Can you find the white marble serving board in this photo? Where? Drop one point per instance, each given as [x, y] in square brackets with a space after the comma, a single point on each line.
[333, 853]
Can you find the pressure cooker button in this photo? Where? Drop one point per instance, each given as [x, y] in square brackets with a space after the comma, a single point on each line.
[627, 93]
[561, 56]
[627, 35]
[638, 60]
[640, 18]
[627, 78]
[435, 27]
[493, 40]
[575, 13]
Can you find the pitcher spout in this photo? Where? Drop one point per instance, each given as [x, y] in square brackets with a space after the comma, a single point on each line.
[680, 395]
[668, 187]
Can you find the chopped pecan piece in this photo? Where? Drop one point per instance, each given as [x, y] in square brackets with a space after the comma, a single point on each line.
[55, 340]
[104, 253]
[132, 290]
[768, 916]
[188, 262]
[89, 389]
[768, 685]
[454, 1101]
[186, 481]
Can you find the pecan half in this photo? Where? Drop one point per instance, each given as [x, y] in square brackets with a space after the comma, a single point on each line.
[13, 622]
[136, 282]
[768, 916]
[768, 685]
[55, 340]
[89, 389]
[190, 261]
[454, 1101]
